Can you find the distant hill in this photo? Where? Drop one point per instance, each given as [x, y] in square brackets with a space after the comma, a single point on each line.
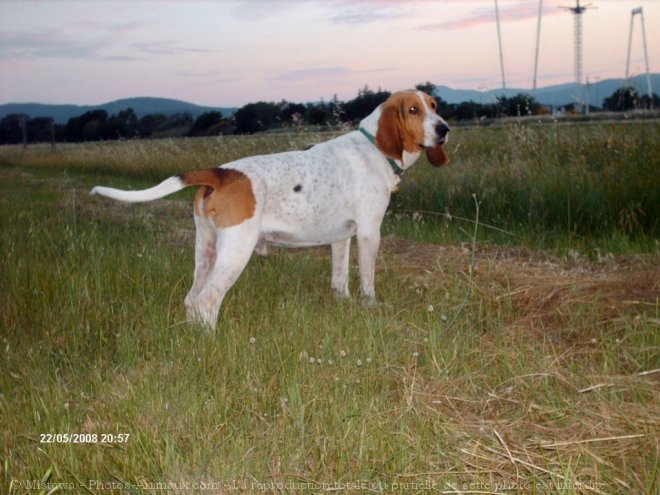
[142, 106]
[560, 94]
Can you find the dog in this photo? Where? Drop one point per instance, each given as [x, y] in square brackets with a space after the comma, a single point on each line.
[324, 195]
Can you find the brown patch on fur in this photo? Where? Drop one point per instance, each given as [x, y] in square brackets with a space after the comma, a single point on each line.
[401, 125]
[227, 196]
[389, 137]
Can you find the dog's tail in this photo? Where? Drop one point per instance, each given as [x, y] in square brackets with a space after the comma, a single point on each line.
[212, 177]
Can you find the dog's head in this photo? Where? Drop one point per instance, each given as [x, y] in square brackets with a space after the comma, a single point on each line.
[409, 122]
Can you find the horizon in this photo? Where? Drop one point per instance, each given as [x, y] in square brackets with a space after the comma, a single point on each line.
[233, 52]
[526, 91]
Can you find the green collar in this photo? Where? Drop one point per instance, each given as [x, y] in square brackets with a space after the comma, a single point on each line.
[395, 168]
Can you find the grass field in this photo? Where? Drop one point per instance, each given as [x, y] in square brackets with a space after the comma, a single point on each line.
[517, 355]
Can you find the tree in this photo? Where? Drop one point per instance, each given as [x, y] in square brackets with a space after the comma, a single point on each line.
[10, 129]
[85, 127]
[518, 105]
[176, 125]
[317, 114]
[255, 117]
[39, 129]
[650, 102]
[288, 111]
[123, 125]
[627, 98]
[365, 103]
[149, 124]
[208, 124]
[427, 87]
[467, 110]
[622, 99]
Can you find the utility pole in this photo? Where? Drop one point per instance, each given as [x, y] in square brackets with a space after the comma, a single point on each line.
[499, 40]
[538, 42]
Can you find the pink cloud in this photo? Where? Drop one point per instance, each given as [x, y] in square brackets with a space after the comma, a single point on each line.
[520, 11]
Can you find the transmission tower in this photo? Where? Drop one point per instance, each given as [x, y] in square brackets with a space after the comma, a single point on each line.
[577, 12]
[640, 12]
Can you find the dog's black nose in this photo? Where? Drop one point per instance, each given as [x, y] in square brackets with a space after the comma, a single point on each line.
[442, 129]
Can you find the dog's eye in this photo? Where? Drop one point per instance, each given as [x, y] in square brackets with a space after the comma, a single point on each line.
[414, 110]
[434, 105]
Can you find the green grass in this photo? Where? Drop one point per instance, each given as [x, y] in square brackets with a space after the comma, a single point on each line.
[564, 187]
[583, 186]
[485, 367]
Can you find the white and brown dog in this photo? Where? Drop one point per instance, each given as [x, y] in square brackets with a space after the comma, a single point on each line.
[324, 195]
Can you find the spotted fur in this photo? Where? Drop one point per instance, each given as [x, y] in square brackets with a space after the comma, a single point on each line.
[324, 195]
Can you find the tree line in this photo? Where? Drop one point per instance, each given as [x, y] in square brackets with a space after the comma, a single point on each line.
[97, 125]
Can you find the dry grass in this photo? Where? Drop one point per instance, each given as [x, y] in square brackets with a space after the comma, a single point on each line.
[567, 312]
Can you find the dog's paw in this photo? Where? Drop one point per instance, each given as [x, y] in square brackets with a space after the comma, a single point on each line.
[370, 302]
[341, 294]
[261, 248]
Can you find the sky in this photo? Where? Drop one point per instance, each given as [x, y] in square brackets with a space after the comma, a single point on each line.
[225, 53]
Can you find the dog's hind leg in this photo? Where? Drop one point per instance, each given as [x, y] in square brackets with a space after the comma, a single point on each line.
[234, 246]
[205, 256]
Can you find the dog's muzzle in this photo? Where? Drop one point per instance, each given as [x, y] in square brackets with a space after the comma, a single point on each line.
[442, 129]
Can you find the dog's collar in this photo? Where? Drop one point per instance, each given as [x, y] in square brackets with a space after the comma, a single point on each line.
[395, 167]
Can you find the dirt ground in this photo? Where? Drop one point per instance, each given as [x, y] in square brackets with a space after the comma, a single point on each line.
[541, 289]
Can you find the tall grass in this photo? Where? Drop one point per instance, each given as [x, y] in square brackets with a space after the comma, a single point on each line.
[570, 180]
[545, 184]
[155, 159]
[481, 371]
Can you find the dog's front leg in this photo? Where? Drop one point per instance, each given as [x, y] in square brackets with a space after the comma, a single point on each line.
[340, 261]
[368, 243]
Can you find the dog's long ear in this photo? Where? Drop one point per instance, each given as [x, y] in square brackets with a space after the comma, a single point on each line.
[437, 156]
[389, 137]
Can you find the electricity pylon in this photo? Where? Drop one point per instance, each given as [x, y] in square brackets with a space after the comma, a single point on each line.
[577, 12]
[640, 12]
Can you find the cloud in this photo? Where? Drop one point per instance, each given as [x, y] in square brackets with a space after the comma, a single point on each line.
[250, 10]
[86, 40]
[114, 29]
[165, 48]
[197, 74]
[109, 44]
[519, 11]
[366, 13]
[45, 44]
[317, 73]
[352, 12]
[322, 73]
